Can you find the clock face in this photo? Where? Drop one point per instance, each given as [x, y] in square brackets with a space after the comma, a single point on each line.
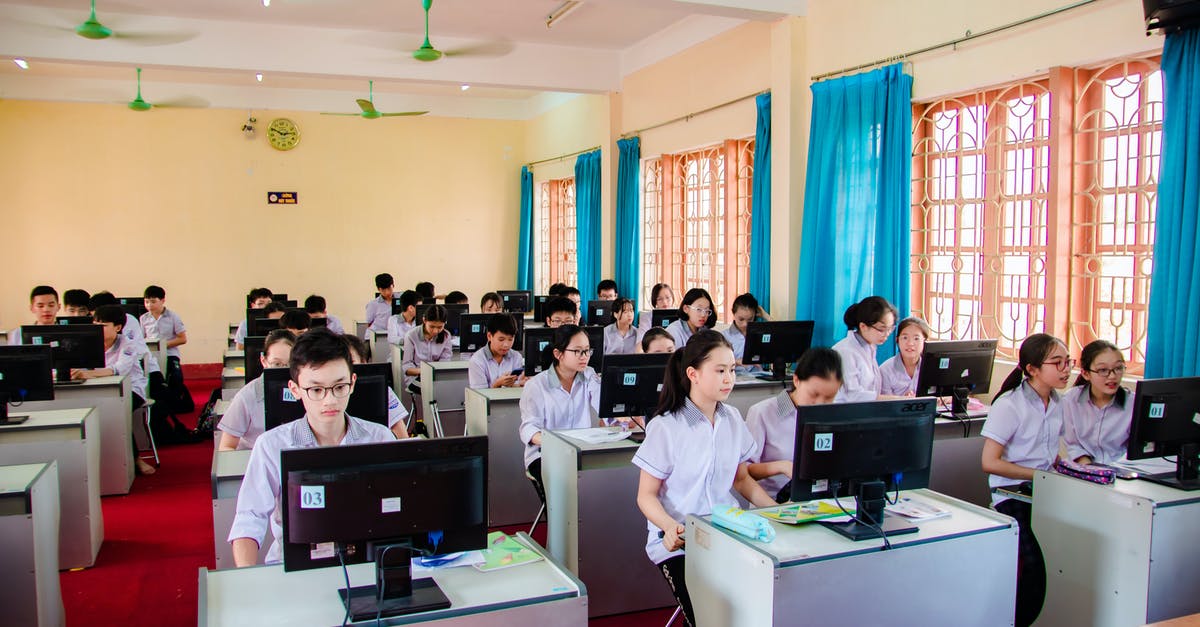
[283, 134]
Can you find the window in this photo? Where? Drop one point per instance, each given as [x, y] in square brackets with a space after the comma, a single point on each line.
[556, 234]
[696, 221]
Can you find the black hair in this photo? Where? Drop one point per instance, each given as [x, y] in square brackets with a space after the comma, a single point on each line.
[456, 298]
[657, 290]
[42, 290]
[383, 281]
[745, 301]
[409, 298]
[569, 290]
[317, 348]
[491, 297]
[259, 292]
[425, 289]
[913, 321]
[100, 299]
[502, 323]
[314, 304]
[295, 319]
[618, 305]
[819, 361]
[273, 307]
[154, 291]
[693, 295]
[437, 313]
[1034, 351]
[561, 340]
[867, 311]
[557, 289]
[653, 334]
[560, 304]
[358, 346]
[76, 298]
[1089, 355]
[276, 336]
[676, 385]
[110, 313]
[606, 284]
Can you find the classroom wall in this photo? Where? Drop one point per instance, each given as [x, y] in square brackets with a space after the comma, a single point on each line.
[97, 196]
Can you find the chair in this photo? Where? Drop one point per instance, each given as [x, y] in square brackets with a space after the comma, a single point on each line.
[676, 614]
[542, 509]
[143, 433]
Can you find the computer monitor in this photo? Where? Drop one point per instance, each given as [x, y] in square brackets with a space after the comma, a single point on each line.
[281, 298]
[864, 450]
[75, 346]
[26, 374]
[630, 384]
[315, 323]
[290, 304]
[133, 305]
[453, 315]
[473, 328]
[596, 341]
[255, 313]
[777, 343]
[279, 404]
[663, 317]
[599, 312]
[74, 320]
[539, 306]
[534, 343]
[383, 503]
[369, 400]
[253, 349]
[397, 308]
[1165, 423]
[956, 369]
[261, 326]
[516, 301]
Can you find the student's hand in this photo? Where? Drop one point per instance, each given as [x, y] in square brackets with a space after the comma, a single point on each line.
[783, 467]
[911, 393]
[673, 538]
[507, 380]
[521, 381]
[78, 375]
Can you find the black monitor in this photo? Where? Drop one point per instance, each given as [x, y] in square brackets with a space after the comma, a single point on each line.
[536, 356]
[369, 400]
[74, 320]
[26, 374]
[516, 301]
[453, 314]
[383, 503]
[261, 326]
[599, 312]
[428, 300]
[956, 369]
[473, 334]
[281, 298]
[1165, 423]
[539, 306]
[777, 343]
[253, 349]
[663, 317]
[864, 450]
[279, 404]
[596, 341]
[133, 305]
[315, 322]
[75, 346]
[255, 313]
[290, 304]
[397, 308]
[630, 384]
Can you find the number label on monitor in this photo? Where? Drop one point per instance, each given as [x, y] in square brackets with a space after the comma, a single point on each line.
[312, 497]
[542, 346]
[823, 442]
[630, 378]
[475, 328]
[389, 505]
[600, 312]
[766, 338]
[1158, 410]
[37, 339]
[288, 396]
[944, 363]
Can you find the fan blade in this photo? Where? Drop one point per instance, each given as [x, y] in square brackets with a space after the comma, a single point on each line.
[154, 39]
[357, 115]
[186, 102]
[403, 113]
[484, 49]
[366, 105]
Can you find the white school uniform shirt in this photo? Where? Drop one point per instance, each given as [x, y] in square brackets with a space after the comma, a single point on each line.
[617, 344]
[772, 426]
[697, 463]
[124, 357]
[1102, 434]
[894, 379]
[680, 331]
[546, 406]
[398, 328]
[239, 336]
[738, 341]
[165, 328]
[1027, 429]
[860, 370]
[334, 324]
[417, 349]
[378, 312]
[258, 498]
[482, 369]
[246, 416]
[14, 337]
[396, 410]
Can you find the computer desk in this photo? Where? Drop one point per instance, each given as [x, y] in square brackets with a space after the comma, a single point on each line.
[234, 358]
[228, 469]
[381, 349]
[70, 438]
[232, 379]
[158, 348]
[360, 329]
[113, 400]
[233, 327]
[496, 413]
[29, 537]
[960, 570]
[540, 593]
[446, 383]
[1116, 555]
[749, 389]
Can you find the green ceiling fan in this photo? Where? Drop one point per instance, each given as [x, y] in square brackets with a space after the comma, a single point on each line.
[92, 28]
[370, 112]
[427, 52]
[139, 104]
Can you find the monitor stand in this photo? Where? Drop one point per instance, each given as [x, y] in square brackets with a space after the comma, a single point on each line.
[1187, 470]
[778, 371]
[7, 418]
[959, 397]
[394, 593]
[869, 504]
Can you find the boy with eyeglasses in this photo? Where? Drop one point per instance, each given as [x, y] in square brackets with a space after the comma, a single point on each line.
[322, 377]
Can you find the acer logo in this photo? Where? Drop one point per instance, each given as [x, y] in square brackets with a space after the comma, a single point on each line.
[965, 373]
[911, 407]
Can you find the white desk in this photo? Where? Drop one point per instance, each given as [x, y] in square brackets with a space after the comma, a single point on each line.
[113, 401]
[960, 571]
[158, 348]
[360, 329]
[538, 594]
[233, 327]
[496, 413]
[1116, 555]
[232, 379]
[228, 468]
[234, 358]
[594, 526]
[68, 437]
[29, 539]
[446, 383]
[380, 348]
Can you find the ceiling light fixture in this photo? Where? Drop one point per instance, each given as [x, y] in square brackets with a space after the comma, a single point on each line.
[21, 63]
[259, 75]
[465, 87]
[266, 3]
[562, 11]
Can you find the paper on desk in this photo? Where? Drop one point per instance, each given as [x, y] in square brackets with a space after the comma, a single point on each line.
[599, 435]
[454, 560]
[1146, 466]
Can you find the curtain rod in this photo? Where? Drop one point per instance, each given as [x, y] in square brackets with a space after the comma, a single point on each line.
[954, 42]
[561, 157]
[694, 114]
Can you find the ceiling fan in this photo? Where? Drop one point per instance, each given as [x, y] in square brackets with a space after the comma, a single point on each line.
[370, 112]
[139, 104]
[92, 28]
[428, 53]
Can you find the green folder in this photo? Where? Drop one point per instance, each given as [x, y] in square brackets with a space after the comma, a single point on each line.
[505, 551]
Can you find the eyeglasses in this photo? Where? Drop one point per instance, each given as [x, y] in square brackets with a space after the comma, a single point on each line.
[276, 364]
[1108, 372]
[562, 321]
[317, 392]
[582, 353]
[1064, 364]
[702, 312]
[882, 329]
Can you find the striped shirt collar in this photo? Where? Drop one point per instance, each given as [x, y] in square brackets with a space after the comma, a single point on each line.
[694, 416]
[306, 438]
[784, 403]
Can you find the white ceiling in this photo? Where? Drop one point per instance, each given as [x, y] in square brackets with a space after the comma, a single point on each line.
[319, 54]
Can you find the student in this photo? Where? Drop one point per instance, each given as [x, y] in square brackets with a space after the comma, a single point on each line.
[661, 297]
[497, 365]
[322, 378]
[133, 328]
[898, 375]
[868, 323]
[399, 325]
[297, 321]
[564, 396]
[1097, 410]
[457, 298]
[43, 304]
[772, 422]
[245, 419]
[1021, 436]
[695, 313]
[697, 447]
[75, 303]
[258, 298]
[559, 311]
[315, 306]
[572, 293]
[606, 290]
[657, 340]
[557, 289]
[428, 342]
[360, 353]
[426, 291]
[379, 310]
[491, 303]
[160, 323]
[745, 310]
[621, 337]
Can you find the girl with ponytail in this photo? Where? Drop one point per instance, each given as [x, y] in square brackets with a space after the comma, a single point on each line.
[1096, 410]
[869, 322]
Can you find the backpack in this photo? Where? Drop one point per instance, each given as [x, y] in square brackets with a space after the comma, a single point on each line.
[207, 422]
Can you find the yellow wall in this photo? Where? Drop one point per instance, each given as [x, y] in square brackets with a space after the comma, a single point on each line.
[97, 196]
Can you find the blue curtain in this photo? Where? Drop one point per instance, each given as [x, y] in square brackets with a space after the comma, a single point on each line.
[525, 239]
[1173, 338]
[760, 206]
[587, 220]
[627, 263]
[855, 239]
